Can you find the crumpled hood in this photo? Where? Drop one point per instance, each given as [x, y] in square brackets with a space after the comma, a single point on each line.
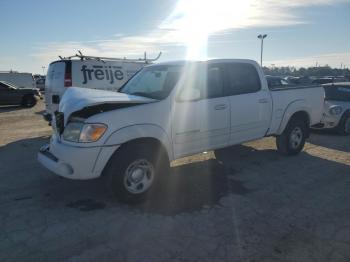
[76, 98]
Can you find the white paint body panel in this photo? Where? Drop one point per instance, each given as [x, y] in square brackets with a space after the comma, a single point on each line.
[287, 102]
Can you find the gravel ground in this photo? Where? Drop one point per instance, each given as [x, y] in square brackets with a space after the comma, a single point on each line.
[248, 204]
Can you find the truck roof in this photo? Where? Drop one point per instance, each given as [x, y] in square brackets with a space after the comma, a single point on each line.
[183, 62]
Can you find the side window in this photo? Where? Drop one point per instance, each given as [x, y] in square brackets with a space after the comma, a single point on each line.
[284, 82]
[242, 78]
[214, 85]
[3, 87]
[190, 88]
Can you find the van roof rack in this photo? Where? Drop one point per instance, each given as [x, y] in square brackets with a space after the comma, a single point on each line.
[80, 56]
[9, 71]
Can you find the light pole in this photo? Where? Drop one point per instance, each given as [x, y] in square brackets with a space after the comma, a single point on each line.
[262, 37]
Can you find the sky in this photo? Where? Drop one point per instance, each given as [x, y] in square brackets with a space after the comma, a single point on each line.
[299, 32]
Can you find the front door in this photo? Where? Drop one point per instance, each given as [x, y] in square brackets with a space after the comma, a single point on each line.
[201, 123]
[7, 95]
[185, 113]
[215, 109]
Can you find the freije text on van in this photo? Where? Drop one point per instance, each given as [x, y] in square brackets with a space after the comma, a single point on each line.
[109, 73]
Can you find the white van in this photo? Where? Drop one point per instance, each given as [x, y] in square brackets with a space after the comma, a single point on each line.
[20, 80]
[87, 72]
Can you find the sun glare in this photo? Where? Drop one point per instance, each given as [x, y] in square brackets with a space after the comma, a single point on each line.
[194, 21]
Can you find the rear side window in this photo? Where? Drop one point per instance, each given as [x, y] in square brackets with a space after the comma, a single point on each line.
[214, 86]
[241, 78]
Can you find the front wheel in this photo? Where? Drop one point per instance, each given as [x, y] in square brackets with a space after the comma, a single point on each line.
[132, 172]
[292, 140]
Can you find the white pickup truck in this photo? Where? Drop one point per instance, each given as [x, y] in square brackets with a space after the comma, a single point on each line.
[170, 110]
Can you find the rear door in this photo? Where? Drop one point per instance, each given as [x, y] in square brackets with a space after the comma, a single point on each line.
[4, 95]
[250, 105]
[54, 85]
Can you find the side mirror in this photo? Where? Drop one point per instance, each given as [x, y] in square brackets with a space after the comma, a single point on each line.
[189, 94]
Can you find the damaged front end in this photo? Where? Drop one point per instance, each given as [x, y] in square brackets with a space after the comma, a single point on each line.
[59, 122]
[79, 104]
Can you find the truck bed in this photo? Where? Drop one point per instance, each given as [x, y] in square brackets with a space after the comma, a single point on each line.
[294, 87]
[284, 98]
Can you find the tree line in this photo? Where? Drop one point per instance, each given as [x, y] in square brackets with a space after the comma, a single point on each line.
[320, 71]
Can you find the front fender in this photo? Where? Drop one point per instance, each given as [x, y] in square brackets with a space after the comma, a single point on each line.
[132, 132]
[292, 108]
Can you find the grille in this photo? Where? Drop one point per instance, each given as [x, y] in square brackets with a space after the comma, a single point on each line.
[59, 116]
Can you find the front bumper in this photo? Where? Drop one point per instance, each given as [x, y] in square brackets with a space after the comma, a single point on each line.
[74, 162]
[328, 122]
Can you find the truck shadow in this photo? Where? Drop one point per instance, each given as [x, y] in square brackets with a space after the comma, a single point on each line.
[195, 186]
[239, 170]
[330, 139]
[192, 187]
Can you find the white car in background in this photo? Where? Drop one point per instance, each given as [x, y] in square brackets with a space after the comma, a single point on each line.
[336, 108]
[171, 110]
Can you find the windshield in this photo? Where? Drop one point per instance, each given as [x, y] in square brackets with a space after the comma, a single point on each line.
[338, 93]
[9, 85]
[153, 82]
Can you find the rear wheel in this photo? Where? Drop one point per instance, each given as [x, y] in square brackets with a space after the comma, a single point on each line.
[133, 170]
[344, 125]
[292, 140]
[28, 101]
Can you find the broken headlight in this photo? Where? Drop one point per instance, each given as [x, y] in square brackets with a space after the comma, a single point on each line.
[83, 133]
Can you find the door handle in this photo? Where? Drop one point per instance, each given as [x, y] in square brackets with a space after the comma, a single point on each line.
[263, 100]
[220, 107]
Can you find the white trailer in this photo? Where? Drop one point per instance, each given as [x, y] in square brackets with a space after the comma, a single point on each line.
[92, 72]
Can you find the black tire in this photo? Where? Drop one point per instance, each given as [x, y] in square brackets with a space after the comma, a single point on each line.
[28, 101]
[119, 167]
[292, 140]
[344, 125]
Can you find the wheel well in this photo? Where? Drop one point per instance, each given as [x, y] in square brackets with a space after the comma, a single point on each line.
[304, 116]
[344, 116]
[346, 113]
[153, 144]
